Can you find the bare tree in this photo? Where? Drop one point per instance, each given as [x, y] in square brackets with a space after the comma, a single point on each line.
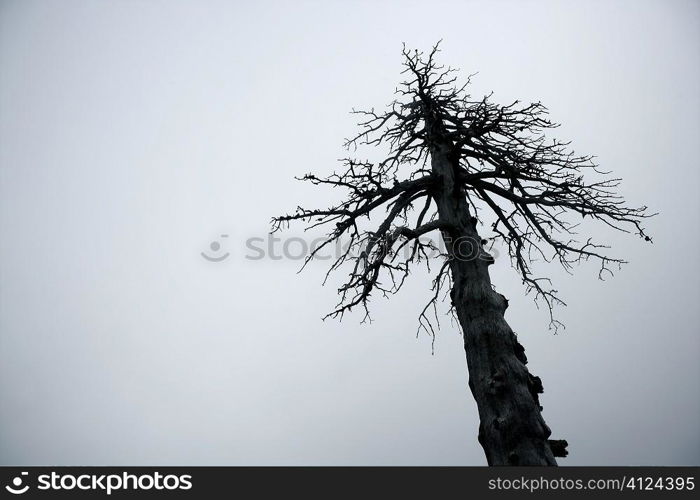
[450, 164]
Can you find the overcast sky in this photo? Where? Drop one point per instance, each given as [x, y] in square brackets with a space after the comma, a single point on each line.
[133, 134]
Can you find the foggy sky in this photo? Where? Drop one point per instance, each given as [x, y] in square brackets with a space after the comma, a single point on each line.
[133, 134]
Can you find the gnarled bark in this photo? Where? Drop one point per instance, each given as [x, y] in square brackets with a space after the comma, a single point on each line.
[512, 430]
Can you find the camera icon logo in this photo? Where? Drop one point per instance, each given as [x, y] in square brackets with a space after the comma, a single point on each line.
[16, 488]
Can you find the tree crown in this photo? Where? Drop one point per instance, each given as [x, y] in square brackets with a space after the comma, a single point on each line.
[504, 165]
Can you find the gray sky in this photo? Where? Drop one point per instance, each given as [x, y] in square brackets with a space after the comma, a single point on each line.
[132, 134]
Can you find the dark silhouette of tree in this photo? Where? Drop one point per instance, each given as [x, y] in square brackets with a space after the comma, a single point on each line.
[449, 164]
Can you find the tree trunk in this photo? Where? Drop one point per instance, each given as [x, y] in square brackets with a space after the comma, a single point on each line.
[512, 430]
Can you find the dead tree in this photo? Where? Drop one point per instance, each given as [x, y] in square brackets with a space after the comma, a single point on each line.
[450, 164]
